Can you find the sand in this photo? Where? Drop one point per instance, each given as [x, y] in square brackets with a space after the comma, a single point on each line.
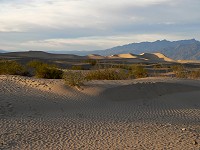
[162, 56]
[95, 56]
[128, 55]
[150, 113]
[144, 57]
[189, 61]
[156, 57]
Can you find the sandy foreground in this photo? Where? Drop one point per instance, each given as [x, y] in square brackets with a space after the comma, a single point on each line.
[149, 114]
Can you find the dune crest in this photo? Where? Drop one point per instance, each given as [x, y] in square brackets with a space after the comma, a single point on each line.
[162, 56]
[128, 55]
[95, 56]
[156, 57]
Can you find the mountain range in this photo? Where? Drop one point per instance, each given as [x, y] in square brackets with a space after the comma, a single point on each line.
[182, 49]
[177, 50]
[59, 58]
[2, 51]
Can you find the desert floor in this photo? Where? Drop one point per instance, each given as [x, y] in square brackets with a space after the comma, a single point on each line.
[150, 113]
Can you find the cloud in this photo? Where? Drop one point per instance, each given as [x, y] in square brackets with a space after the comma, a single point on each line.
[29, 15]
[69, 24]
[92, 43]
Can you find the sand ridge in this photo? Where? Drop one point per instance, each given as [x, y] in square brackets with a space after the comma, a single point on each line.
[156, 57]
[95, 56]
[128, 55]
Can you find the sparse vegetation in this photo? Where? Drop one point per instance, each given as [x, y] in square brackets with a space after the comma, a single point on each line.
[107, 74]
[194, 74]
[48, 72]
[43, 70]
[34, 64]
[93, 62]
[156, 66]
[74, 79]
[180, 71]
[77, 68]
[12, 68]
[138, 71]
[106, 71]
[122, 66]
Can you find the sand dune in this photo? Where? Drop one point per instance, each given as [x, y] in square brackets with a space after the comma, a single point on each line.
[95, 56]
[128, 55]
[148, 57]
[188, 61]
[144, 57]
[155, 57]
[162, 56]
[151, 113]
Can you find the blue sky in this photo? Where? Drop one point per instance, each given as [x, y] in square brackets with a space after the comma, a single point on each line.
[94, 24]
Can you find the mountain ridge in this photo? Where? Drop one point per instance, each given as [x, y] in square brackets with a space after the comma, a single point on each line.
[177, 50]
[142, 58]
[2, 51]
[182, 49]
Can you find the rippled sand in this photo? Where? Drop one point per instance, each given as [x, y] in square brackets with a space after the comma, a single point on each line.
[151, 113]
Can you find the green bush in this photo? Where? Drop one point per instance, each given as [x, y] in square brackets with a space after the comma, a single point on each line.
[12, 68]
[107, 74]
[74, 79]
[138, 71]
[43, 70]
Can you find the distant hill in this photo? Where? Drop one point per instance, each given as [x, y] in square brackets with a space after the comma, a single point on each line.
[177, 50]
[41, 55]
[134, 58]
[183, 49]
[2, 51]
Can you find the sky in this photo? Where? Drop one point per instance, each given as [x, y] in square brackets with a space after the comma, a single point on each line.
[71, 25]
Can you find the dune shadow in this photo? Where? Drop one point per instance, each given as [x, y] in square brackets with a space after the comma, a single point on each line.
[146, 91]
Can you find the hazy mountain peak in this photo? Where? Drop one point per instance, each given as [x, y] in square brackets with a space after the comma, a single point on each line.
[2, 51]
[182, 49]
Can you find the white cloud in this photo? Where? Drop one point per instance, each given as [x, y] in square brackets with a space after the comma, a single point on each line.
[92, 43]
[94, 24]
[26, 15]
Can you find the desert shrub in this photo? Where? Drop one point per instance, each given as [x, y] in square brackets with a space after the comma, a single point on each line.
[177, 68]
[180, 71]
[157, 66]
[77, 68]
[138, 71]
[12, 68]
[93, 62]
[48, 72]
[107, 74]
[194, 74]
[43, 70]
[34, 64]
[122, 66]
[74, 79]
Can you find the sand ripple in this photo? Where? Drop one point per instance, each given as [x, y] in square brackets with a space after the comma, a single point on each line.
[137, 114]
